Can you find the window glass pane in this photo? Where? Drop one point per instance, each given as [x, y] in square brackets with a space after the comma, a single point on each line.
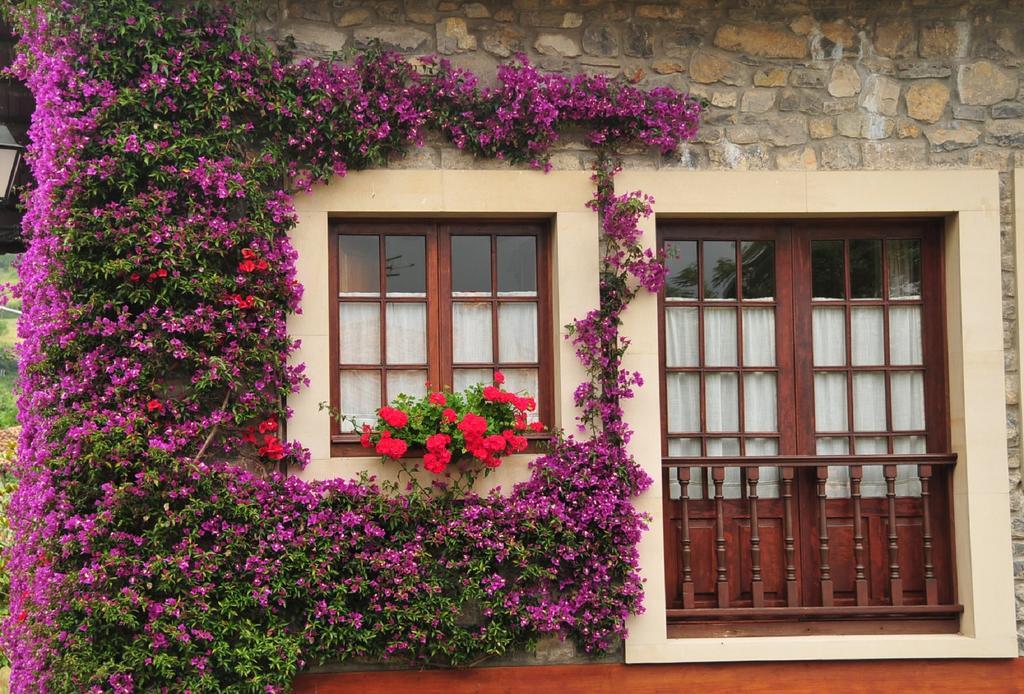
[683, 395]
[908, 444]
[464, 378]
[758, 269]
[360, 397]
[867, 339]
[517, 332]
[517, 265]
[759, 337]
[907, 401]
[869, 401]
[768, 475]
[832, 445]
[837, 484]
[721, 402]
[358, 265]
[720, 337]
[471, 332]
[523, 382]
[904, 269]
[681, 337]
[829, 336]
[406, 333]
[359, 330]
[719, 269]
[760, 405]
[905, 335]
[471, 264]
[681, 448]
[681, 260]
[405, 263]
[830, 402]
[866, 268]
[720, 447]
[907, 481]
[827, 271]
[870, 445]
[409, 382]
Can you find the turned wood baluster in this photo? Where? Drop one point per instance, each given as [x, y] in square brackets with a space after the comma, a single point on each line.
[895, 581]
[825, 570]
[792, 594]
[718, 475]
[756, 583]
[856, 474]
[684, 499]
[931, 584]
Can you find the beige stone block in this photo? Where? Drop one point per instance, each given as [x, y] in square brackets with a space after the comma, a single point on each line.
[870, 126]
[757, 100]
[723, 99]
[350, 18]
[558, 45]
[403, 38]
[927, 100]
[504, 41]
[844, 81]
[881, 95]
[821, 128]
[1006, 133]
[764, 40]
[895, 38]
[839, 33]
[800, 159]
[707, 67]
[950, 138]
[660, 12]
[667, 67]
[983, 83]
[453, 36]
[476, 10]
[944, 40]
[894, 155]
[771, 77]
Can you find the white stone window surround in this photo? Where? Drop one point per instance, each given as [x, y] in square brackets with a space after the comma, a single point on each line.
[968, 202]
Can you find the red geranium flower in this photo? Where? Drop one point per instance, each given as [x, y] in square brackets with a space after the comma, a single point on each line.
[268, 425]
[272, 448]
[449, 415]
[499, 377]
[437, 399]
[364, 440]
[391, 447]
[537, 426]
[473, 425]
[393, 417]
[438, 442]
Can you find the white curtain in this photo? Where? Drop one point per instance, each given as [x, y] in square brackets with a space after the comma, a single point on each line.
[721, 402]
[360, 397]
[409, 382]
[830, 402]
[471, 332]
[828, 327]
[464, 378]
[406, 326]
[867, 335]
[683, 393]
[517, 332]
[359, 328]
[907, 400]
[524, 382]
[905, 335]
[869, 401]
[720, 337]
[685, 448]
[681, 337]
[759, 337]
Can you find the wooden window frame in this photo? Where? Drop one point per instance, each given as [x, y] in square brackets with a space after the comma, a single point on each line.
[439, 301]
[795, 397]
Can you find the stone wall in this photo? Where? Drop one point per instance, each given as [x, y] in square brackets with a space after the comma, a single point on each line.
[817, 84]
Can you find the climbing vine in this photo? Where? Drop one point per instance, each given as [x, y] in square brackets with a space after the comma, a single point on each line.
[154, 361]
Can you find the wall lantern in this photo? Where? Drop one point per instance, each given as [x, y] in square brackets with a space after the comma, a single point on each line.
[10, 160]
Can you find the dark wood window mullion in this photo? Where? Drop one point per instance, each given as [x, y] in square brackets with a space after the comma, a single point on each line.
[495, 338]
[848, 319]
[740, 401]
[702, 426]
[887, 358]
[383, 313]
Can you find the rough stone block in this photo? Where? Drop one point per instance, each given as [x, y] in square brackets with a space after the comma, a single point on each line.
[869, 126]
[894, 155]
[807, 77]
[895, 38]
[453, 36]
[915, 69]
[771, 77]
[950, 138]
[821, 128]
[639, 41]
[845, 81]
[1006, 133]
[984, 83]
[504, 41]
[707, 67]
[762, 40]
[476, 10]
[1012, 109]
[926, 101]
[601, 40]
[944, 40]
[839, 155]
[800, 159]
[881, 95]
[785, 131]
[353, 17]
[757, 100]
[558, 45]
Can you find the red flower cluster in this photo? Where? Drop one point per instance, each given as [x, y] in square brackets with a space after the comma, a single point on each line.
[154, 406]
[393, 417]
[449, 415]
[495, 394]
[153, 276]
[251, 261]
[391, 447]
[241, 302]
[271, 447]
[437, 399]
[438, 455]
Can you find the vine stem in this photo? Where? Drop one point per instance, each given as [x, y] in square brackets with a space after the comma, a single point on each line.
[213, 431]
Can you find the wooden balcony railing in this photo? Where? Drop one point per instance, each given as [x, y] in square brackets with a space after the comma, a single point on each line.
[798, 538]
